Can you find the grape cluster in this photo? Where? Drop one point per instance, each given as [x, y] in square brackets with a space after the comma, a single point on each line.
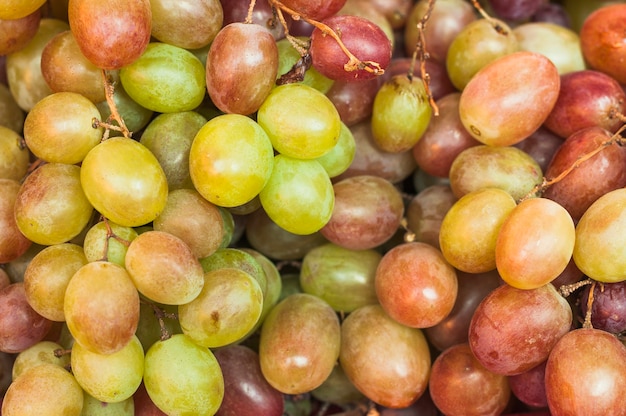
[292, 207]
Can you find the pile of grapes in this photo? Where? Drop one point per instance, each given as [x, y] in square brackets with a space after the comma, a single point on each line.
[298, 207]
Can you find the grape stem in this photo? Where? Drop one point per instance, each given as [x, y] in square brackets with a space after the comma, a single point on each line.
[353, 63]
[567, 290]
[250, 11]
[587, 324]
[110, 234]
[109, 90]
[497, 26]
[422, 54]
[160, 314]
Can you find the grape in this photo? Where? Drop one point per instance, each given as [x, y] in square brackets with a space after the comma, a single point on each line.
[447, 20]
[553, 13]
[95, 407]
[109, 377]
[262, 14]
[607, 310]
[17, 9]
[65, 68]
[112, 33]
[585, 373]
[444, 138]
[186, 24]
[58, 129]
[353, 100]
[453, 329]
[560, 44]
[246, 392]
[535, 243]
[367, 10]
[183, 378]
[339, 158]
[194, 220]
[389, 365]
[16, 33]
[395, 11]
[507, 100]
[505, 344]
[400, 114]
[342, 277]
[587, 98]
[594, 177]
[40, 353]
[516, 9]
[439, 82]
[299, 343]
[293, 130]
[485, 166]
[299, 195]
[45, 390]
[364, 39]
[101, 307]
[237, 258]
[124, 182]
[51, 206]
[541, 146]
[316, 10]
[367, 212]
[230, 149]
[13, 244]
[23, 68]
[337, 389]
[15, 158]
[163, 268]
[226, 309]
[530, 386]
[47, 276]
[108, 241]
[233, 79]
[11, 117]
[20, 325]
[477, 45]
[429, 285]
[169, 137]
[460, 385]
[165, 78]
[426, 211]
[468, 241]
[601, 38]
[598, 251]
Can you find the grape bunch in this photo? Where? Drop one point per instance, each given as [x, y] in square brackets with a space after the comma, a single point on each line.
[329, 207]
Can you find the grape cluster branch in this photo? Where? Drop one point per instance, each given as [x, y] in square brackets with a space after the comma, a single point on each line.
[109, 91]
[421, 53]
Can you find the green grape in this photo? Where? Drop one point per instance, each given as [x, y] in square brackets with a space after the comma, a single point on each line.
[230, 160]
[287, 58]
[124, 182]
[14, 157]
[163, 268]
[95, 407]
[299, 196]
[165, 79]
[337, 389]
[299, 343]
[340, 157]
[400, 114]
[228, 307]
[300, 121]
[109, 377]
[234, 257]
[102, 244]
[47, 275]
[183, 378]
[59, 129]
[43, 390]
[38, 354]
[169, 137]
[342, 277]
[102, 307]
[51, 206]
[134, 115]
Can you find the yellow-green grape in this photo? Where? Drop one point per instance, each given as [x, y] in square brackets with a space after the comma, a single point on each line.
[287, 58]
[14, 157]
[299, 196]
[47, 275]
[228, 307]
[108, 241]
[51, 207]
[102, 307]
[400, 114]
[109, 377]
[59, 128]
[124, 182]
[42, 352]
[95, 407]
[165, 79]
[230, 160]
[340, 157]
[16, 9]
[229, 257]
[300, 121]
[183, 378]
[43, 390]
